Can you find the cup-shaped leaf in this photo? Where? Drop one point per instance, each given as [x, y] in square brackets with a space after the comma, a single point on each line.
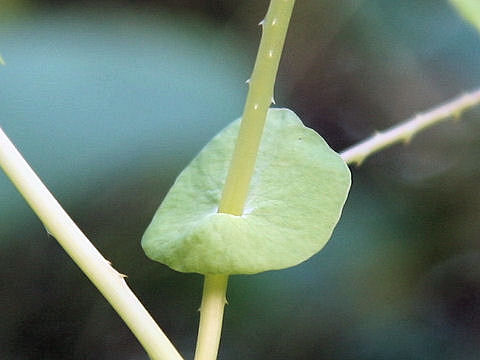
[295, 199]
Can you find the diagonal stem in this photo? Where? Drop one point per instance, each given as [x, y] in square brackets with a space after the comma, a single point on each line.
[406, 130]
[108, 281]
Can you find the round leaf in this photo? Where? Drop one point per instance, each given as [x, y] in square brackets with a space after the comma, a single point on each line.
[295, 199]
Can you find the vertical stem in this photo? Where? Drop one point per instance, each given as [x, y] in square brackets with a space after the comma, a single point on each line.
[211, 315]
[259, 98]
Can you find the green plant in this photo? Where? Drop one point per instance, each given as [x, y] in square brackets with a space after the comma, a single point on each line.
[109, 281]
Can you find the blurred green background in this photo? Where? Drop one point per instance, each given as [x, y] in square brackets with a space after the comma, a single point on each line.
[108, 101]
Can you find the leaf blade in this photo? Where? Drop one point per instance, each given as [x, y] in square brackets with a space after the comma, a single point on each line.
[295, 200]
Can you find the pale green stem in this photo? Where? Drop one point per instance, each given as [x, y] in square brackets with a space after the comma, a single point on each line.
[110, 283]
[407, 129]
[259, 98]
[211, 315]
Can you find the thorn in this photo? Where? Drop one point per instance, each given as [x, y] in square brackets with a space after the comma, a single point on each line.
[123, 276]
[48, 232]
[273, 101]
[261, 22]
[359, 160]
[376, 134]
[247, 81]
[457, 115]
[408, 138]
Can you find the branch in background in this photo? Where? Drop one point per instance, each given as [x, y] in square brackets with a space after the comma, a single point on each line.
[110, 283]
[406, 130]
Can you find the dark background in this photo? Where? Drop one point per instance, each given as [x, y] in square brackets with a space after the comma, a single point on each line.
[108, 101]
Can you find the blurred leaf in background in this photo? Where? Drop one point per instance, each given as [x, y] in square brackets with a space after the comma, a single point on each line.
[469, 9]
[92, 98]
[107, 106]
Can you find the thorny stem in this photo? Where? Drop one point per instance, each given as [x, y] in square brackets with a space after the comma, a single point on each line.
[259, 98]
[211, 314]
[110, 283]
[406, 130]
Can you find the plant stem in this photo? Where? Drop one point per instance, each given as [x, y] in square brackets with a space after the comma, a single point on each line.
[410, 127]
[259, 98]
[110, 283]
[211, 314]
